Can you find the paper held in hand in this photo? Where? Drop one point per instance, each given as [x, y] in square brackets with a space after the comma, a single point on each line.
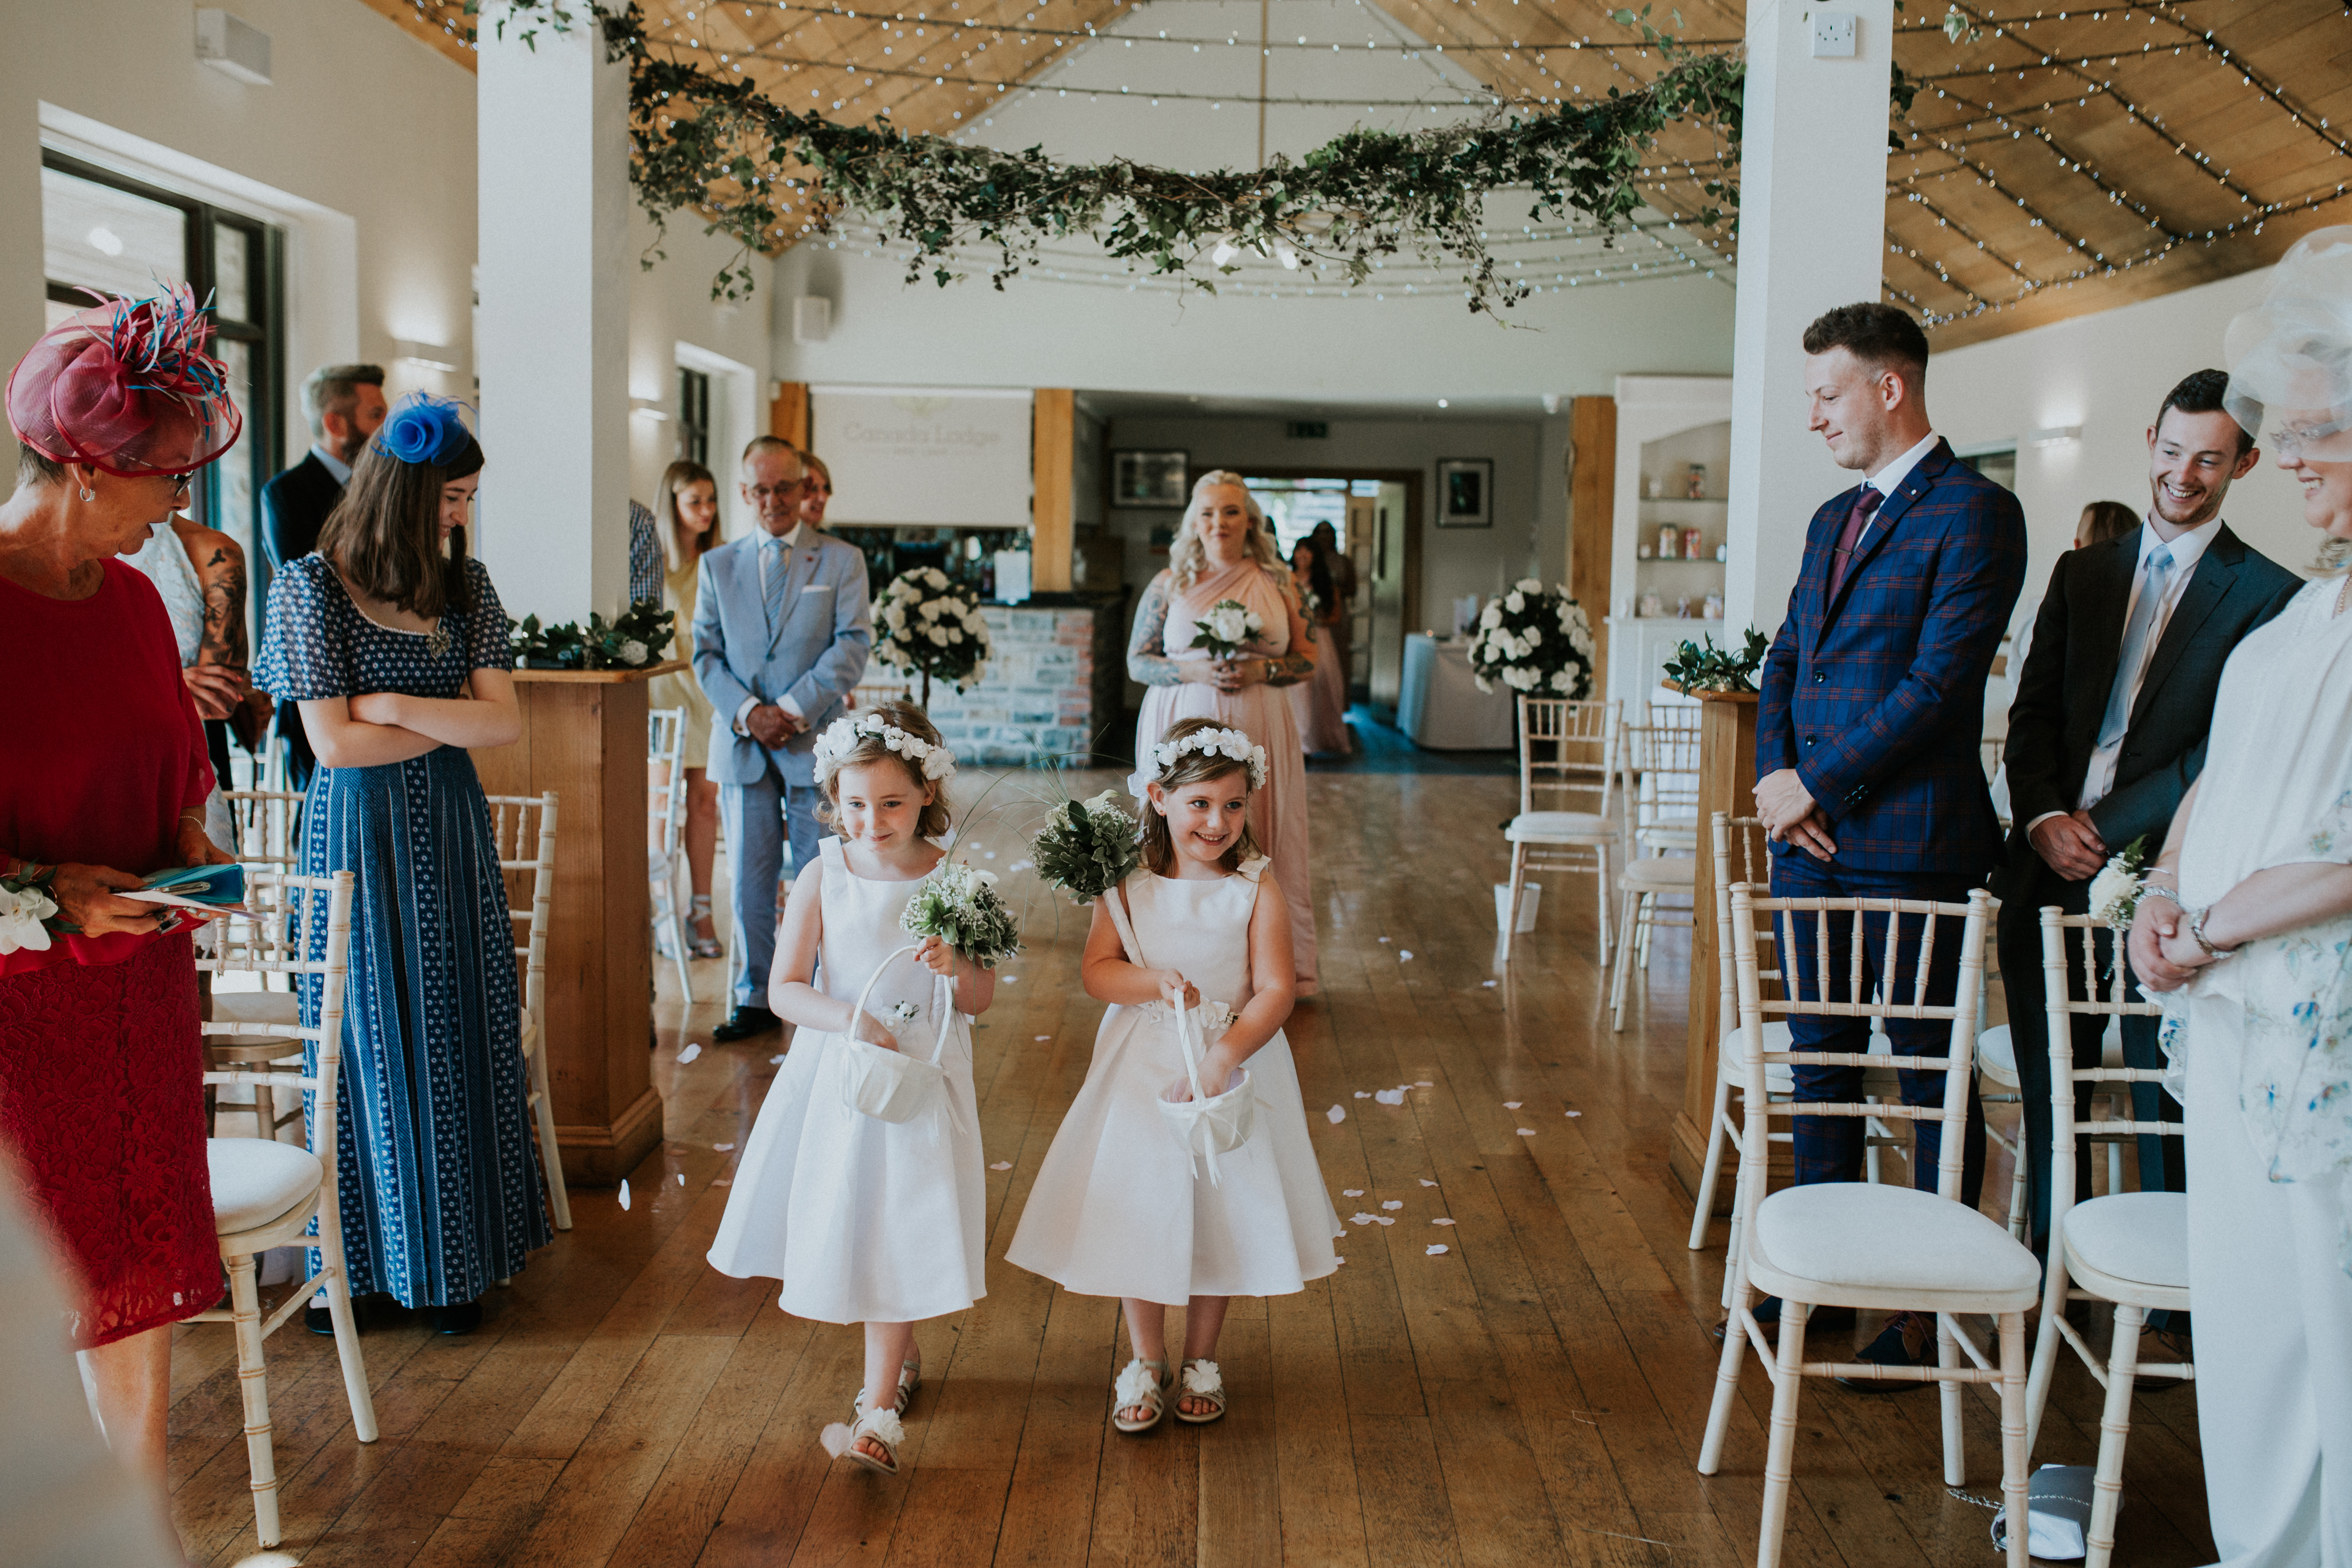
[208, 889]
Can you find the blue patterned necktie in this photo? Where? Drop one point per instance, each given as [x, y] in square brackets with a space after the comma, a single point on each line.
[773, 560]
[2136, 633]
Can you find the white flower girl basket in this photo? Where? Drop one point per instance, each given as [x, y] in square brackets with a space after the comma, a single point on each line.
[892, 1086]
[1206, 1125]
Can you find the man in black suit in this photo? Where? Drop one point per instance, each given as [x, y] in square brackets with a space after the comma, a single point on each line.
[346, 405]
[2107, 732]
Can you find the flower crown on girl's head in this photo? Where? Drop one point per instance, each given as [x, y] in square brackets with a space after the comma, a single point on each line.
[934, 764]
[1231, 743]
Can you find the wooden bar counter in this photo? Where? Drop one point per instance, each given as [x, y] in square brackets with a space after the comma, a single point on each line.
[583, 736]
[1726, 784]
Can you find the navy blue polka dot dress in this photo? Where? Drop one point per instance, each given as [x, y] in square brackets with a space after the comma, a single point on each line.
[440, 1182]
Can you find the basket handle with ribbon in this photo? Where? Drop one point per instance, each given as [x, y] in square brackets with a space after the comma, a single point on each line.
[894, 1086]
[1206, 1125]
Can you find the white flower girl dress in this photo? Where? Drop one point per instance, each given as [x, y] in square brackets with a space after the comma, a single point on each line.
[863, 1221]
[1118, 1208]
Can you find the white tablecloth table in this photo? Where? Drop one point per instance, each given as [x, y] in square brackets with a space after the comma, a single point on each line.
[1439, 706]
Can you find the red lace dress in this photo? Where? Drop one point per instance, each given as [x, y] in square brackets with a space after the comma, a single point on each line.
[102, 1099]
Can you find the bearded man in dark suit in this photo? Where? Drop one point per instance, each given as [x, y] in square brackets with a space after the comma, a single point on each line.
[345, 404]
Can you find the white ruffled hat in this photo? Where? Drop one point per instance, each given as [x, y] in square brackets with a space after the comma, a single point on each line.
[2294, 351]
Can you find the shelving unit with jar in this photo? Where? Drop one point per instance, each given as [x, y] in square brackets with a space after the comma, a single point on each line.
[1674, 436]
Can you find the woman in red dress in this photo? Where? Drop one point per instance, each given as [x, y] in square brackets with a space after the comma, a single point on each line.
[101, 1099]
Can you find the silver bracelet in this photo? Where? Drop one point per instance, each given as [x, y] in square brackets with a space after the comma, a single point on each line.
[2197, 933]
[2157, 891]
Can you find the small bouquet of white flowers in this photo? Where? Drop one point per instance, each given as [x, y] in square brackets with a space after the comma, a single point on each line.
[958, 905]
[1228, 628]
[2115, 891]
[1535, 640]
[929, 625]
[25, 910]
[1086, 849]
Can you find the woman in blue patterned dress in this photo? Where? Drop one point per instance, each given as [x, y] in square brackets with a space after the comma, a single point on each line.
[395, 643]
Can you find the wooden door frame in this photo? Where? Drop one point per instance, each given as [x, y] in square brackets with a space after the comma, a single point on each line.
[1411, 479]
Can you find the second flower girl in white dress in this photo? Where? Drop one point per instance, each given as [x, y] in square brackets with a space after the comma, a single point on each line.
[1120, 1207]
[867, 1221]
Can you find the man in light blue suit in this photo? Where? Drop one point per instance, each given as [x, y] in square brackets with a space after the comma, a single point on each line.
[781, 628]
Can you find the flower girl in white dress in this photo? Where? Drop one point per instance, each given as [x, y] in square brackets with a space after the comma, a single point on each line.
[867, 1221]
[1120, 1207]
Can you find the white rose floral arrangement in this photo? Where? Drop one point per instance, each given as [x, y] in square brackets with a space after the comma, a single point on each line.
[1533, 640]
[927, 624]
[1229, 627]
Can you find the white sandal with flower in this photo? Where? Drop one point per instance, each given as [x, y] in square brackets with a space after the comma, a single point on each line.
[1141, 1384]
[881, 1428]
[910, 1378]
[1202, 1383]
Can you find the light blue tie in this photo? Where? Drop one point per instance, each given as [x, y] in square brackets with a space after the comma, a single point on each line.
[2143, 617]
[773, 558]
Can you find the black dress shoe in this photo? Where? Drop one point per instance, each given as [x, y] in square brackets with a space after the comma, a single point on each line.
[745, 1022]
[1767, 1317]
[460, 1317]
[1908, 1340]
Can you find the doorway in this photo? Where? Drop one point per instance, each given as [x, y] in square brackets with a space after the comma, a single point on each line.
[1374, 512]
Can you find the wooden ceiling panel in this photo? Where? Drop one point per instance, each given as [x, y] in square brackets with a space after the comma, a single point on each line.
[2055, 163]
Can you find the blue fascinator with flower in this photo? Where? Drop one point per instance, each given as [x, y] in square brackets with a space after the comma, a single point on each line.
[423, 428]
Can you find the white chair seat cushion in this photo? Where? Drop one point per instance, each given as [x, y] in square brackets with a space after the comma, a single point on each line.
[1997, 1056]
[1559, 827]
[2140, 1237]
[257, 1008]
[1876, 1236]
[1660, 873]
[1731, 1062]
[258, 1180]
[1779, 1077]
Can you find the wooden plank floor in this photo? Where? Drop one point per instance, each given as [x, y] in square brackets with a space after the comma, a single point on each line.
[1535, 1393]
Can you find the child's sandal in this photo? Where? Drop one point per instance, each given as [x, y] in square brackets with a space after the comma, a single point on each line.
[1140, 1384]
[879, 1427]
[1200, 1381]
[910, 1378]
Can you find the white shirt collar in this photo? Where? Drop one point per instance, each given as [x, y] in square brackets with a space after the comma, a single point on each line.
[792, 540]
[1885, 480]
[2187, 548]
[333, 464]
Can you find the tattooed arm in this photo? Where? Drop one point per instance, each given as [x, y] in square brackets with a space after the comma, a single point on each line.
[1147, 656]
[218, 681]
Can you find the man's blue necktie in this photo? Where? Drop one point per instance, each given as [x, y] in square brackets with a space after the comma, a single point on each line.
[773, 559]
[2135, 650]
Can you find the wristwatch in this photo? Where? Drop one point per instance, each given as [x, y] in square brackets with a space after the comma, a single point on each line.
[2196, 932]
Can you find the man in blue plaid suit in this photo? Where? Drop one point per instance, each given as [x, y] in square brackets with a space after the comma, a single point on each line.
[1868, 729]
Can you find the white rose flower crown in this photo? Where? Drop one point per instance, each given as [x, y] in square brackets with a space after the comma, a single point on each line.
[933, 764]
[1232, 744]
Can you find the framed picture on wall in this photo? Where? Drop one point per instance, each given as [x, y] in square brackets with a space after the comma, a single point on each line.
[1149, 478]
[1465, 492]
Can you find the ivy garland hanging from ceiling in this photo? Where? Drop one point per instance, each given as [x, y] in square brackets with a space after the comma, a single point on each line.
[765, 175]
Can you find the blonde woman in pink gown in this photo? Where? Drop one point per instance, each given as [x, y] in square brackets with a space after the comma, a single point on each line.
[1225, 550]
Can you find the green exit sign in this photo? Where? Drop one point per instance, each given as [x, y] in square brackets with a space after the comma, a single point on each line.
[1308, 430]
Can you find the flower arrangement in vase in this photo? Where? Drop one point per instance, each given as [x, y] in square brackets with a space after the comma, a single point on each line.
[1533, 640]
[927, 624]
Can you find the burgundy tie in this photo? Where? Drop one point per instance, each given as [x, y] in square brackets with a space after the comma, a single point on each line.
[1855, 521]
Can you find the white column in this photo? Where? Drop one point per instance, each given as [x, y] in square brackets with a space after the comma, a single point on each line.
[1812, 235]
[551, 345]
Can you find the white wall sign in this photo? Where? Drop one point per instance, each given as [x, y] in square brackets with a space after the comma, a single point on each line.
[924, 458]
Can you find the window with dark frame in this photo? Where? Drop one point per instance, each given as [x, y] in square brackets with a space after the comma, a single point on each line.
[108, 234]
[694, 416]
